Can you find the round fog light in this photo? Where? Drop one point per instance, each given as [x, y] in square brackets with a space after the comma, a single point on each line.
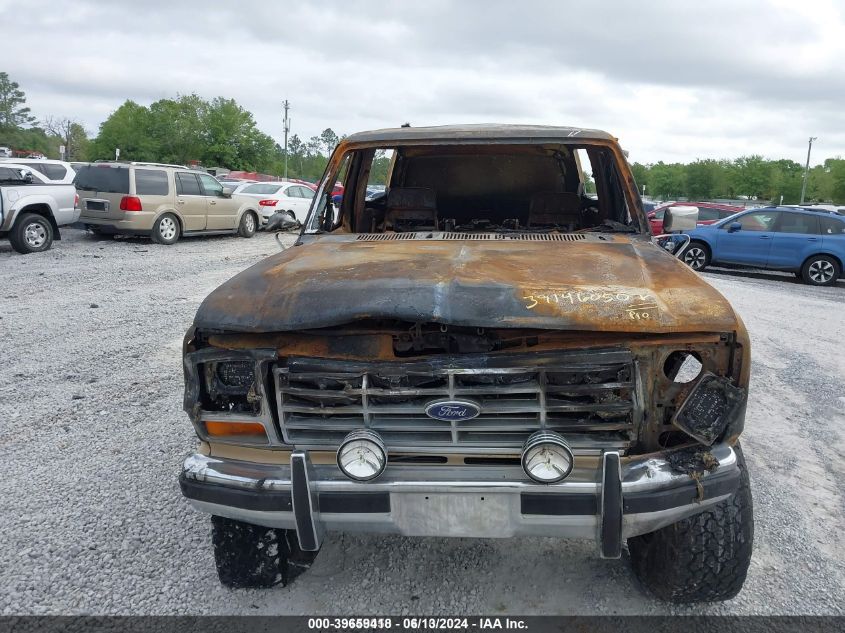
[362, 455]
[546, 457]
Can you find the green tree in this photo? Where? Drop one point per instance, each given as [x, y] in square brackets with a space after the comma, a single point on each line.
[641, 173]
[32, 139]
[702, 179]
[752, 176]
[177, 125]
[378, 170]
[785, 177]
[329, 140]
[69, 133]
[13, 113]
[314, 146]
[295, 151]
[233, 139]
[128, 129]
[835, 168]
[667, 181]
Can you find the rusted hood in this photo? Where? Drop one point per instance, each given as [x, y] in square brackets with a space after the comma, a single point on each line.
[613, 283]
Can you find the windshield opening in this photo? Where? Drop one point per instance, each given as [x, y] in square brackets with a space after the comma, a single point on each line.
[484, 188]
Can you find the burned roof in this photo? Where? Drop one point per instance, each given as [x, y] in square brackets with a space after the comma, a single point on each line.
[479, 133]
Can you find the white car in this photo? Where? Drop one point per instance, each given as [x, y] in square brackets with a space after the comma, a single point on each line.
[55, 171]
[234, 185]
[5, 152]
[279, 196]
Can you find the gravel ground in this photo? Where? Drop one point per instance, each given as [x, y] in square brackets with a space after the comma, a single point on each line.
[92, 437]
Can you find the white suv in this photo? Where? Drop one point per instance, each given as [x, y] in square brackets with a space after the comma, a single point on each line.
[53, 170]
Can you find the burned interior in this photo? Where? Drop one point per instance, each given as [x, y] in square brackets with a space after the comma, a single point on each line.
[468, 188]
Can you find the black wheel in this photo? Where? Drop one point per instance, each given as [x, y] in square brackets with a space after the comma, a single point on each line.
[703, 558]
[248, 225]
[166, 229]
[251, 556]
[31, 234]
[821, 270]
[697, 256]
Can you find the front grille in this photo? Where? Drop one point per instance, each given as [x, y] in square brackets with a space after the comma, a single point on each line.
[590, 398]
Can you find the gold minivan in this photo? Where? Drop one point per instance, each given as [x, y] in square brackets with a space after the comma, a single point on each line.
[162, 201]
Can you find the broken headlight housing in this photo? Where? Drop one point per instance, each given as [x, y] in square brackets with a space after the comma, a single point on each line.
[710, 406]
[230, 385]
[699, 394]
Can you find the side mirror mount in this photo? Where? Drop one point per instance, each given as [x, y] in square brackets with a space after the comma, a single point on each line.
[226, 193]
[733, 227]
[680, 218]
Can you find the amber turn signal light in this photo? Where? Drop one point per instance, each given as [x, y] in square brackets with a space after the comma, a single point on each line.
[235, 429]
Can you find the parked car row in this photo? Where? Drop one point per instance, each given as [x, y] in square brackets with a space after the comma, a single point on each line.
[166, 202]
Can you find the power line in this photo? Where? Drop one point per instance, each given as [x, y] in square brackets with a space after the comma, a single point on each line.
[286, 123]
[807, 168]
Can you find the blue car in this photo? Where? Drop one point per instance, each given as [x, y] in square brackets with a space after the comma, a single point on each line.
[810, 244]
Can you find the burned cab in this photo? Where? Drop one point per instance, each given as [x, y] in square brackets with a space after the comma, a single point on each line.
[490, 347]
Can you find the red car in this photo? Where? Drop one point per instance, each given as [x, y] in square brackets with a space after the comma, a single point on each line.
[708, 213]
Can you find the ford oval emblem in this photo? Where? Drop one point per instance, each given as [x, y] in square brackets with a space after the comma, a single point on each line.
[449, 410]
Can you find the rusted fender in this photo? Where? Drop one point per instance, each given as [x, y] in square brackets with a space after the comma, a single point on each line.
[613, 283]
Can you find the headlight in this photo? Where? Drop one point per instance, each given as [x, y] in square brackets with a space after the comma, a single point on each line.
[237, 373]
[362, 455]
[546, 457]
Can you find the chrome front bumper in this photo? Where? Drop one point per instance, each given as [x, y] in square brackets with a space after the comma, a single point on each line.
[615, 500]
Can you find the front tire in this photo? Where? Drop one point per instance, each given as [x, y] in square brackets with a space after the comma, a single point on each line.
[697, 256]
[31, 233]
[252, 556]
[166, 230]
[821, 270]
[248, 225]
[703, 558]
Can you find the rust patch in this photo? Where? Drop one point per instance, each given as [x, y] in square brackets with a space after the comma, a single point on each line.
[694, 462]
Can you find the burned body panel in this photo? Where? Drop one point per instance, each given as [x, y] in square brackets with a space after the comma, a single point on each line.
[610, 284]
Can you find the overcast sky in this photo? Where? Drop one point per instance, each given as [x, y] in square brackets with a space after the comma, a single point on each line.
[674, 80]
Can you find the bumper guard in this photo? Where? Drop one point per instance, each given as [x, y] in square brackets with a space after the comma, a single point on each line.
[618, 499]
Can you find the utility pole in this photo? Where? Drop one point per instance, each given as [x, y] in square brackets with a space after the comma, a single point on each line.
[807, 169]
[286, 106]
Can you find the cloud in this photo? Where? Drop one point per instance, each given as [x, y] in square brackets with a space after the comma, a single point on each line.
[674, 81]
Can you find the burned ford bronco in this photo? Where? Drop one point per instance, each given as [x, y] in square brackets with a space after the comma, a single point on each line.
[494, 346]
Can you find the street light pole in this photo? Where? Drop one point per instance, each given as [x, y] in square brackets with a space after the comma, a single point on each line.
[286, 106]
[807, 169]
